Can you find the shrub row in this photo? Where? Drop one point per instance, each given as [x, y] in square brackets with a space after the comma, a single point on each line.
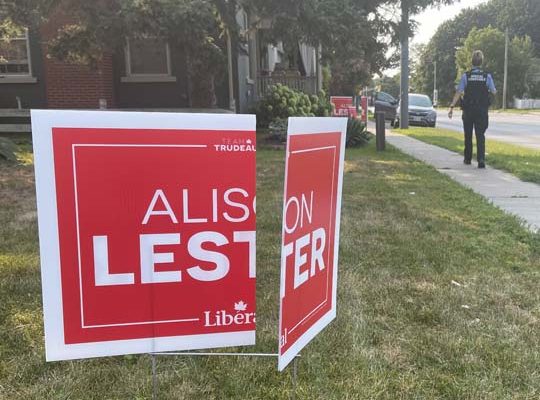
[282, 102]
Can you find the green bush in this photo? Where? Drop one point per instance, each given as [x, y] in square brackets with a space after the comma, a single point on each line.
[278, 130]
[357, 134]
[282, 102]
[8, 149]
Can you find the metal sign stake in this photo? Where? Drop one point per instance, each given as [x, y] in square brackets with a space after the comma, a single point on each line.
[294, 378]
[154, 377]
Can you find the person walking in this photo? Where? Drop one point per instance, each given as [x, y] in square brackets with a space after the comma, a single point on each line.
[475, 87]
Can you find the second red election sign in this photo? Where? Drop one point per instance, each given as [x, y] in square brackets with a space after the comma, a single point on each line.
[310, 238]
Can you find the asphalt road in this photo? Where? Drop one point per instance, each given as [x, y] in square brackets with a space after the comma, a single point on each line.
[523, 130]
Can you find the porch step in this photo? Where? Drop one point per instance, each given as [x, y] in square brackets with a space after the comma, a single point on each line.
[14, 113]
[15, 128]
[18, 121]
[15, 121]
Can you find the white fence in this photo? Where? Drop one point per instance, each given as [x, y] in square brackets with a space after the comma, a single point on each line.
[526, 104]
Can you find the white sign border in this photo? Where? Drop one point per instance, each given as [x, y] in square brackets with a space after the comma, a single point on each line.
[309, 126]
[43, 121]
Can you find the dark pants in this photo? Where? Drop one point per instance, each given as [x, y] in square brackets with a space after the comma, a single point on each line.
[479, 121]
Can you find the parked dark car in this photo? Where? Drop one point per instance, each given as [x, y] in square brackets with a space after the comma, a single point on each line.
[387, 104]
[421, 111]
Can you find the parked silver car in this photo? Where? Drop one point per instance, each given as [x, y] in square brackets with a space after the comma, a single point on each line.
[421, 111]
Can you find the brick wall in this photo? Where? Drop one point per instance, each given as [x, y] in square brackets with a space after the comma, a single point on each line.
[79, 86]
[75, 85]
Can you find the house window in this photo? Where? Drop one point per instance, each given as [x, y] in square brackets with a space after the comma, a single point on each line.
[148, 60]
[15, 56]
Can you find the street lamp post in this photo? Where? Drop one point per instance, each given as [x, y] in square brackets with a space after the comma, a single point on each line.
[435, 92]
[404, 110]
[505, 83]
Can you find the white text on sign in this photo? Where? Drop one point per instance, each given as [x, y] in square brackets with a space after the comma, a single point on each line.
[311, 244]
[149, 257]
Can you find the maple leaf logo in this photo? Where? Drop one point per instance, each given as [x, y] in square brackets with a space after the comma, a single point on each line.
[240, 306]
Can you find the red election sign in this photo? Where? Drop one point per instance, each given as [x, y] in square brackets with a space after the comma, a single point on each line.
[343, 106]
[310, 237]
[364, 104]
[147, 231]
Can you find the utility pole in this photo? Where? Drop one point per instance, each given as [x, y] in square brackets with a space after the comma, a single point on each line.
[404, 117]
[435, 93]
[505, 84]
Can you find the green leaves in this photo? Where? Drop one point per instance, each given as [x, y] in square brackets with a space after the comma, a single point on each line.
[520, 16]
[357, 134]
[99, 26]
[283, 102]
[8, 149]
[349, 32]
[491, 41]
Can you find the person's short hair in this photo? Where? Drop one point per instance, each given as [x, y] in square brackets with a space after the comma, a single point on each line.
[477, 58]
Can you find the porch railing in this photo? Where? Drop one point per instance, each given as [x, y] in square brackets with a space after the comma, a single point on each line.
[306, 84]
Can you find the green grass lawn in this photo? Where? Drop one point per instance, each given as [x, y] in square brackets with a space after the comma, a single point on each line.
[438, 299]
[518, 160]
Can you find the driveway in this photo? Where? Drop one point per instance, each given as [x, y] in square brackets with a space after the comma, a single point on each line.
[522, 130]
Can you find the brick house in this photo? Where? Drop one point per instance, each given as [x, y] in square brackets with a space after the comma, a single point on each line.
[146, 74]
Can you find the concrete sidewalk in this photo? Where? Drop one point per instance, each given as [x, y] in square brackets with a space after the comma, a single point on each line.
[500, 188]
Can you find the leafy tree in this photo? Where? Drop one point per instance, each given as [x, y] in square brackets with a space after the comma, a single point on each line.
[533, 80]
[492, 41]
[389, 84]
[347, 30]
[351, 32]
[519, 16]
[417, 6]
[355, 35]
[101, 26]
[442, 49]
[409, 7]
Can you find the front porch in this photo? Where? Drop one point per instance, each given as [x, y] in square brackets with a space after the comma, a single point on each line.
[264, 62]
[306, 84]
